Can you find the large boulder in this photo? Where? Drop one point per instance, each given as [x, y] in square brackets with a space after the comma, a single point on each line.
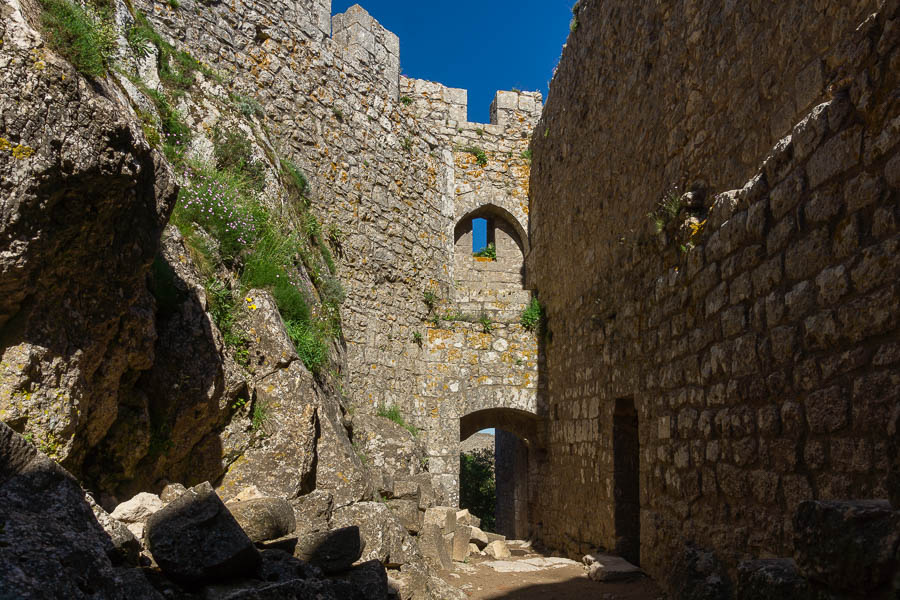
[332, 551]
[264, 518]
[135, 512]
[386, 539]
[195, 539]
[389, 447]
[850, 546]
[51, 545]
[314, 510]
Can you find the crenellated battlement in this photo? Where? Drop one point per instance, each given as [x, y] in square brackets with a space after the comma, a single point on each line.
[363, 42]
[449, 106]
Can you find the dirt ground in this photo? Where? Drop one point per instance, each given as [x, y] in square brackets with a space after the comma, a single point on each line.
[560, 581]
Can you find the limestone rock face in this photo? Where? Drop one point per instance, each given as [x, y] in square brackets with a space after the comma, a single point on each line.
[280, 459]
[388, 446]
[51, 545]
[195, 539]
[84, 201]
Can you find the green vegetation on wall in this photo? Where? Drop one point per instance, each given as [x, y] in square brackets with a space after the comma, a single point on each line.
[393, 413]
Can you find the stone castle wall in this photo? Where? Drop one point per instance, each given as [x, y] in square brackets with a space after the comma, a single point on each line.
[762, 357]
[383, 154]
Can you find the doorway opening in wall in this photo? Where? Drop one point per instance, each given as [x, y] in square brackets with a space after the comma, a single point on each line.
[495, 469]
[626, 479]
[477, 480]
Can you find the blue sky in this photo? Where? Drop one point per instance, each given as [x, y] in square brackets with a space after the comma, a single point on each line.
[480, 45]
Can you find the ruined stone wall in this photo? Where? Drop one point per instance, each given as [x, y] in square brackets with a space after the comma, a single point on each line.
[760, 346]
[383, 157]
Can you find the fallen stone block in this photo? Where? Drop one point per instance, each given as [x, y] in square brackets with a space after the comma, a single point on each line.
[444, 517]
[408, 512]
[385, 537]
[606, 567]
[497, 549]
[135, 512]
[478, 537]
[264, 518]
[461, 543]
[370, 580]
[464, 517]
[770, 579]
[332, 551]
[493, 537]
[850, 546]
[196, 540]
[433, 548]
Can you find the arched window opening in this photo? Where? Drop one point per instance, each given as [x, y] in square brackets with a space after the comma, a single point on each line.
[489, 256]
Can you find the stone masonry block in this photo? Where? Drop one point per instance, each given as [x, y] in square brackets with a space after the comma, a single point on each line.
[444, 517]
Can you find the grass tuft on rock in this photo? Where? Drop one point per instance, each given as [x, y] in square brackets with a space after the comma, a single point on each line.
[83, 35]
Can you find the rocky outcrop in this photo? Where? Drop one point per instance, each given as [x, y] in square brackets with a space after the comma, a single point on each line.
[84, 201]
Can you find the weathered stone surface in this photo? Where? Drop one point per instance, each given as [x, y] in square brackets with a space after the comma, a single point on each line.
[50, 542]
[497, 549]
[195, 539]
[281, 463]
[72, 281]
[461, 543]
[313, 511]
[431, 544]
[263, 518]
[172, 492]
[444, 517]
[388, 446]
[479, 538]
[849, 546]
[770, 579]
[332, 551]
[408, 512]
[385, 536]
[138, 509]
[464, 517]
